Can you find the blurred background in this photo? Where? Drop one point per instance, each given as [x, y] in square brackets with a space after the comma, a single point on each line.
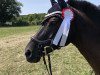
[21, 19]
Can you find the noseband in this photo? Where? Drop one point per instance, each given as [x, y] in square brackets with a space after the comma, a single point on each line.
[41, 45]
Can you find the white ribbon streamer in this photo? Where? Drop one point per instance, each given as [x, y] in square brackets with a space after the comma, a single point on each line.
[63, 31]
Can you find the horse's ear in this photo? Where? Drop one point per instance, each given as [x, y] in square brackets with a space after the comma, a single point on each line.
[62, 4]
[53, 2]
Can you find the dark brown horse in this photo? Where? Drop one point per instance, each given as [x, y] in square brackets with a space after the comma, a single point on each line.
[84, 32]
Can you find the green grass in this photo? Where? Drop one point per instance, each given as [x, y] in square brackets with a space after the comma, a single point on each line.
[7, 31]
[67, 61]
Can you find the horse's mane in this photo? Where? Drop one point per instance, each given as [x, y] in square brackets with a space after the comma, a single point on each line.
[91, 10]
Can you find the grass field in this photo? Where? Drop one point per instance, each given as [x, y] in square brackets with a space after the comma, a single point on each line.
[67, 61]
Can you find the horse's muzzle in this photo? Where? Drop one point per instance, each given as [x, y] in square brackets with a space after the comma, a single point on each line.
[32, 58]
[36, 49]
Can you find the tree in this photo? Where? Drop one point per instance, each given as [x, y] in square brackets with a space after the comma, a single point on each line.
[9, 9]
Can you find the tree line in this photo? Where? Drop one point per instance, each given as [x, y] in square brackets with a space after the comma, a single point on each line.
[10, 14]
[31, 19]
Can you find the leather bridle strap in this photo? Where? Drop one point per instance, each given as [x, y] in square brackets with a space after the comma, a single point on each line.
[49, 69]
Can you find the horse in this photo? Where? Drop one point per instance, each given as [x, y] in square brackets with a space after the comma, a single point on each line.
[84, 32]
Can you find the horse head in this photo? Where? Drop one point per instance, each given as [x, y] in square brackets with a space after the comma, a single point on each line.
[35, 48]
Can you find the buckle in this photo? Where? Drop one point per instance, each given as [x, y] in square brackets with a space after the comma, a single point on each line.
[47, 50]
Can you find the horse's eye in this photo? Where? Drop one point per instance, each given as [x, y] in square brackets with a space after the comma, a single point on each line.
[53, 22]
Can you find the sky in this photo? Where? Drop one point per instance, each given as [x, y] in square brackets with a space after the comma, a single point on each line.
[41, 6]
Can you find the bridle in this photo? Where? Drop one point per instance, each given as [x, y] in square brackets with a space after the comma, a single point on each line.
[45, 47]
[46, 43]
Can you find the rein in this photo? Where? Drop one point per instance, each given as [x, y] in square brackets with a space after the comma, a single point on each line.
[49, 69]
[45, 51]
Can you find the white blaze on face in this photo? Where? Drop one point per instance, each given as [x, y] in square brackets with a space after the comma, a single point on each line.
[63, 31]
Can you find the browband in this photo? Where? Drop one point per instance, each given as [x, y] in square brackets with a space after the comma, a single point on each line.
[56, 12]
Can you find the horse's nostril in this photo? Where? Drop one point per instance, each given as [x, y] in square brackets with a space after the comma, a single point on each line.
[28, 53]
